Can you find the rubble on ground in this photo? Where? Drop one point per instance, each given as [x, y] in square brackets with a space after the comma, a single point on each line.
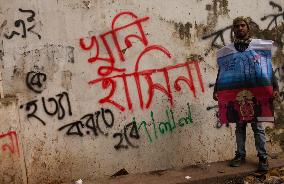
[273, 176]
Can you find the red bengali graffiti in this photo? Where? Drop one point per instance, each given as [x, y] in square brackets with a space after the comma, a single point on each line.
[10, 142]
[110, 74]
[106, 70]
[110, 82]
[152, 86]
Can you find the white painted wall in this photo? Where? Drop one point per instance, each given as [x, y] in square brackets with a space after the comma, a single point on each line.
[48, 155]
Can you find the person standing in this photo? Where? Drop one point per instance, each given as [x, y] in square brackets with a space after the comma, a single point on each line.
[242, 41]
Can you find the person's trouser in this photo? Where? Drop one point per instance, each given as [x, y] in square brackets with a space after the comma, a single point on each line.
[259, 136]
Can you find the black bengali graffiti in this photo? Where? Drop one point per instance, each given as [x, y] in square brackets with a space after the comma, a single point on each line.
[31, 107]
[130, 131]
[217, 37]
[99, 123]
[274, 16]
[212, 107]
[211, 85]
[35, 81]
[216, 114]
[21, 23]
[59, 107]
[90, 123]
[219, 34]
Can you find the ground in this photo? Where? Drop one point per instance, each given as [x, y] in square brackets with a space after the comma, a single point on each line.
[213, 173]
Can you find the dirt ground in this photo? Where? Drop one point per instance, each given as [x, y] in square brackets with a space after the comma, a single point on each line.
[213, 173]
[274, 176]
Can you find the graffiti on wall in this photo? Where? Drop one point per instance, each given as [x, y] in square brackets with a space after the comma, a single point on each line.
[106, 82]
[90, 122]
[215, 108]
[23, 26]
[35, 81]
[158, 129]
[126, 136]
[59, 105]
[102, 121]
[219, 35]
[9, 143]
[274, 16]
[110, 74]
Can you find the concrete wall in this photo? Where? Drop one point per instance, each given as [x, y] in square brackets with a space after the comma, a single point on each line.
[63, 122]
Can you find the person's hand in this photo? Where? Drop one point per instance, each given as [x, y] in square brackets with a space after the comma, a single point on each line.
[215, 96]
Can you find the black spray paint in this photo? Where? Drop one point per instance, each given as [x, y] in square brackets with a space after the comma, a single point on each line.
[90, 123]
[35, 81]
[274, 16]
[59, 107]
[21, 23]
[130, 131]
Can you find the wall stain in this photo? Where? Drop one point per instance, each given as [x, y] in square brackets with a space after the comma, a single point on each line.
[87, 4]
[1, 51]
[70, 54]
[73, 4]
[183, 30]
[66, 79]
[215, 9]
[195, 57]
